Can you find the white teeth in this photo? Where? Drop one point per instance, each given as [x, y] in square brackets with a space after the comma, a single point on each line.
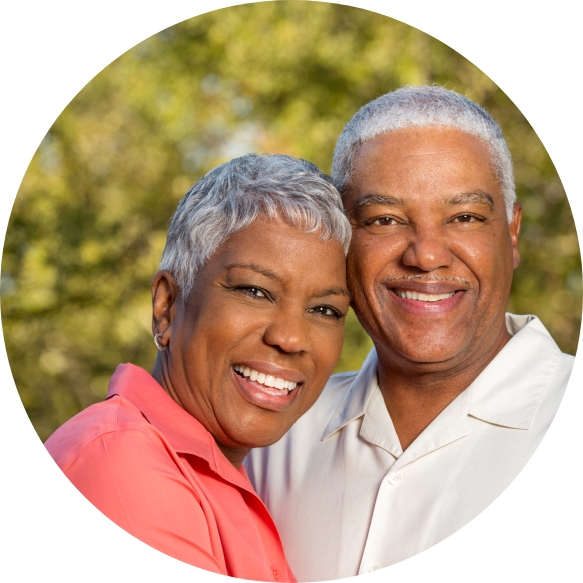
[413, 295]
[263, 379]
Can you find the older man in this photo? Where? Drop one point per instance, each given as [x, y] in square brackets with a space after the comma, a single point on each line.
[456, 395]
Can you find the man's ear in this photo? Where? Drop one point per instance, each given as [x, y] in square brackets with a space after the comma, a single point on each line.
[165, 294]
[515, 232]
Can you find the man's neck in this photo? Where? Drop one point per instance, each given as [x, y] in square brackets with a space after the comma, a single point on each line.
[415, 396]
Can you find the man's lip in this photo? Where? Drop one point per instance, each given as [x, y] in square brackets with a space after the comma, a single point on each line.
[430, 288]
[269, 368]
[427, 308]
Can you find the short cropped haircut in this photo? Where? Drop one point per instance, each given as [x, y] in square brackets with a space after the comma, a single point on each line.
[424, 106]
[233, 195]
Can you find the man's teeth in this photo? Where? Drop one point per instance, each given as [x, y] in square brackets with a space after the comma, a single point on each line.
[266, 380]
[413, 295]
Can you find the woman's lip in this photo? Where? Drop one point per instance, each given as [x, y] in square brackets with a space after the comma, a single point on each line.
[262, 396]
[268, 368]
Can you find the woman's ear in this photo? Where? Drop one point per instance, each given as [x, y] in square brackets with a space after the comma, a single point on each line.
[165, 294]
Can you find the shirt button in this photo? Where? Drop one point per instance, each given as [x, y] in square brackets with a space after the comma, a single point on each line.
[374, 568]
[395, 479]
[275, 573]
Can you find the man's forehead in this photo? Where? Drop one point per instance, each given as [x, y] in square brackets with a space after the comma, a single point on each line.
[442, 163]
[433, 139]
[425, 145]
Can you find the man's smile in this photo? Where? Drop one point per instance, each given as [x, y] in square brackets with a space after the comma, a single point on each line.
[427, 294]
[421, 297]
[427, 298]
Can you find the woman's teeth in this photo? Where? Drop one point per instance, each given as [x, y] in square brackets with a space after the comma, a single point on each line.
[413, 295]
[266, 380]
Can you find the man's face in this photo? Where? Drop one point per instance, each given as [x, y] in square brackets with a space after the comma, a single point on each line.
[432, 255]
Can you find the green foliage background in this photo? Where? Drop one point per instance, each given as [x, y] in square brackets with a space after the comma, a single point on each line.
[89, 223]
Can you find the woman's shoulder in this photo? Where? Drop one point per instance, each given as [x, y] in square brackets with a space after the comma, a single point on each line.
[114, 418]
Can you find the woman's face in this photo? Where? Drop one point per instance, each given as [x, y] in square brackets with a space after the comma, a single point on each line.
[250, 349]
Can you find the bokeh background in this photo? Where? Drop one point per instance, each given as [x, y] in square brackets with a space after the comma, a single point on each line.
[89, 222]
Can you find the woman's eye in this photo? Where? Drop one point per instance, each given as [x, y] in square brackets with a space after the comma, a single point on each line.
[327, 311]
[254, 292]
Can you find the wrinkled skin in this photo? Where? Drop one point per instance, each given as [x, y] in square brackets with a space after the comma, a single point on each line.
[272, 298]
[428, 216]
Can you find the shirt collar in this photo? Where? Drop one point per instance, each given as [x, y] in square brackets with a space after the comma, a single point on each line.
[508, 391]
[184, 433]
[355, 402]
[505, 393]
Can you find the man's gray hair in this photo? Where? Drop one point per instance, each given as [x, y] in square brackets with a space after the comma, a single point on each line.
[233, 195]
[428, 105]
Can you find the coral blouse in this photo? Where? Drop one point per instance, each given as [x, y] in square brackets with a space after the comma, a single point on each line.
[155, 471]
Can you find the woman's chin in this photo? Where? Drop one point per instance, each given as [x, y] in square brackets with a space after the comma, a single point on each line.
[256, 432]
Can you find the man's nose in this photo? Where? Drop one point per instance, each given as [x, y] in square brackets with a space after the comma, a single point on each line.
[428, 250]
[288, 332]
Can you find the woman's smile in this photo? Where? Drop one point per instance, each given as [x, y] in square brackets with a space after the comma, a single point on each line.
[266, 380]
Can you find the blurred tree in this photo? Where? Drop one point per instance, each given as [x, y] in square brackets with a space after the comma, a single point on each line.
[89, 222]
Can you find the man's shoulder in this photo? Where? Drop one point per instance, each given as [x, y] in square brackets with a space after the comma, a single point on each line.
[522, 387]
[530, 335]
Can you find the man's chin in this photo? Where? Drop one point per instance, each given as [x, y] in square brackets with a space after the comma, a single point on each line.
[424, 349]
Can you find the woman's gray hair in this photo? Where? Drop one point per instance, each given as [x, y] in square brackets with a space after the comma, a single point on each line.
[428, 105]
[233, 195]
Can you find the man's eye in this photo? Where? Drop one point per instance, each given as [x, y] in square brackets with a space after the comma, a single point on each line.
[327, 311]
[383, 221]
[466, 219]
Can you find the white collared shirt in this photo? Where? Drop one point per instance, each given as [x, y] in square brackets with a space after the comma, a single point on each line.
[347, 500]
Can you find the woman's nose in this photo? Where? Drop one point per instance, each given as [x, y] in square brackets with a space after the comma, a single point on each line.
[428, 250]
[289, 333]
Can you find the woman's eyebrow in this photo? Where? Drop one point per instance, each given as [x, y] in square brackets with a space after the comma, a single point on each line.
[333, 291]
[254, 267]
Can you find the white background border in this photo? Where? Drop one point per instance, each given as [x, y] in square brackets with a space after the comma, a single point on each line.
[50, 50]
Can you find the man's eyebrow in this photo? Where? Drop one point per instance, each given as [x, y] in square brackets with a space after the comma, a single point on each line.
[377, 199]
[469, 197]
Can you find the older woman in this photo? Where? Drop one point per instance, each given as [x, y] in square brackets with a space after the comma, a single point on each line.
[248, 314]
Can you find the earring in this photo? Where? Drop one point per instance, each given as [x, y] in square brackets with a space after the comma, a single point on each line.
[157, 342]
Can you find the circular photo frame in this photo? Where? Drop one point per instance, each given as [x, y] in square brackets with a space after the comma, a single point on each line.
[86, 231]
